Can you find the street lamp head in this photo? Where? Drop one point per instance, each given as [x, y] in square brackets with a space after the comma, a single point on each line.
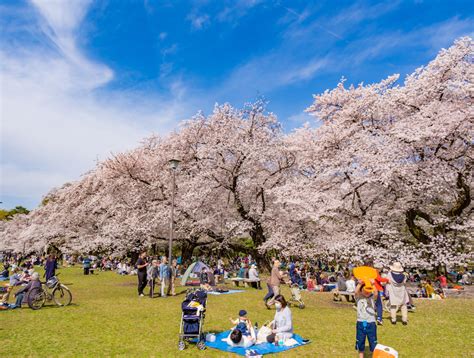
[174, 163]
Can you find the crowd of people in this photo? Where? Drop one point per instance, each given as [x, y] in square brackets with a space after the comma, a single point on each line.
[21, 273]
[390, 283]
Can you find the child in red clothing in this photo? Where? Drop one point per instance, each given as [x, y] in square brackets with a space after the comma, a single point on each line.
[379, 282]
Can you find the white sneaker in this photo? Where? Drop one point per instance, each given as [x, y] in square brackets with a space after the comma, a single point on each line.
[141, 295]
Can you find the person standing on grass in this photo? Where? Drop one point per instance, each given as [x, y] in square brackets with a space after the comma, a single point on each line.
[397, 293]
[173, 275]
[152, 274]
[50, 267]
[365, 326]
[379, 282]
[443, 282]
[164, 275]
[141, 273]
[269, 294]
[86, 264]
[275, 280]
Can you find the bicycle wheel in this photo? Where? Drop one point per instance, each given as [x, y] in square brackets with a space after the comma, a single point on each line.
[62, 296]
[36, 298]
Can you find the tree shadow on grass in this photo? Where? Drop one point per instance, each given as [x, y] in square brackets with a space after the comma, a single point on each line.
[53, 306]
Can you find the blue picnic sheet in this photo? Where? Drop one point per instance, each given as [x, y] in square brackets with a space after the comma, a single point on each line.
[224, 293]
[262, 348]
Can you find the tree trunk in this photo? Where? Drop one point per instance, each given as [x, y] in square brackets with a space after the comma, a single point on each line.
[258, 238]
[417, 232]
[187, 249]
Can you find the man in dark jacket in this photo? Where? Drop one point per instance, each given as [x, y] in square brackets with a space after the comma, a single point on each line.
[50, 267]
[141, 273]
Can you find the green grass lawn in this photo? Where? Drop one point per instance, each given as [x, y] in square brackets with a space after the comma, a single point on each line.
[108, 319]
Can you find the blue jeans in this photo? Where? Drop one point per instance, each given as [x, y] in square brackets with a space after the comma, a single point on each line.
[19, 299]
[269, 294]
[366, 329]
[379, 305]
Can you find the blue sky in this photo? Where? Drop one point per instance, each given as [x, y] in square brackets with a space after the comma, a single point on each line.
[81, 79]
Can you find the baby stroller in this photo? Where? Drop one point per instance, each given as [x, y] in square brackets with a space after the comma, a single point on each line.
[192, 319]
[295, 299]
[296, 279]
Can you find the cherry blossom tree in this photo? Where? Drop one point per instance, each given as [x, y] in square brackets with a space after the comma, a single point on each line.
[388, 174]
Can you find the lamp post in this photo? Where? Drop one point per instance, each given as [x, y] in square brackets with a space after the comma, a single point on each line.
[173, 163]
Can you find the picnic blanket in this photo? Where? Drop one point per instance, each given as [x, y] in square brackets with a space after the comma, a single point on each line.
[224, 293]
[262, 348]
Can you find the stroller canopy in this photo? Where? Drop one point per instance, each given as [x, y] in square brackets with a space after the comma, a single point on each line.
[195, 267]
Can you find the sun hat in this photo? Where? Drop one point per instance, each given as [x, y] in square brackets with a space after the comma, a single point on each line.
[396, 267]
[242, 313]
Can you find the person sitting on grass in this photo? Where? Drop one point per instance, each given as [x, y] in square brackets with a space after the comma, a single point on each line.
[204, 279]
[15, 278]
[4, 298]
[282, 324]
[25, 276]
[366, 316]
[340, 287]
[4, 274]
[310, 284]
[22, 294]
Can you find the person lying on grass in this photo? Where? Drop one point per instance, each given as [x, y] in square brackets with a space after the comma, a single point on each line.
[241, 323]
[243, 334]
[366, 316]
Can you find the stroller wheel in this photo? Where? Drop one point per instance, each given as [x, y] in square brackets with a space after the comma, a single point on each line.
[201, 345]
[181, 345]
[301, 306]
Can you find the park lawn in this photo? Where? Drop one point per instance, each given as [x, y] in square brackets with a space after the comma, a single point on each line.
[108, 319]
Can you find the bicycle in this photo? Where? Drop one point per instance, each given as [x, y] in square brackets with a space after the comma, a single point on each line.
[52, 290]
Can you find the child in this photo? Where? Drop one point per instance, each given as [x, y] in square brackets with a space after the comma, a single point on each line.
[310, 284]
[429, 289]
[366, 326]
[241, 323]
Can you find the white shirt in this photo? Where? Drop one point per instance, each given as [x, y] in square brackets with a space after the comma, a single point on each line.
[351, 286]
[283, 321]
[253, 274]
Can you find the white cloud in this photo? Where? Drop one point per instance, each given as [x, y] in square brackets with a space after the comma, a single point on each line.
[301, 118]
[198, 22]
[429, 38]
[58, 118]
